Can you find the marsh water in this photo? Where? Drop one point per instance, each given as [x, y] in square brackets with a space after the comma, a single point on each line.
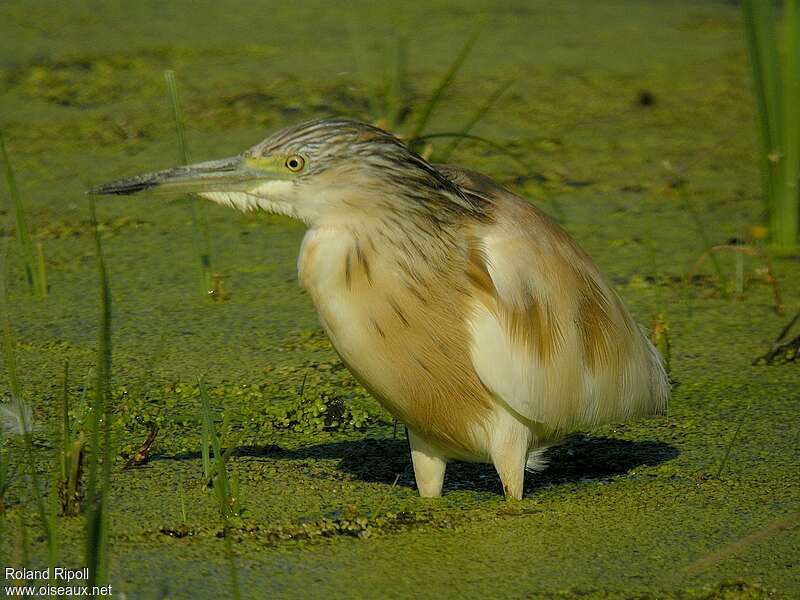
[636, 126]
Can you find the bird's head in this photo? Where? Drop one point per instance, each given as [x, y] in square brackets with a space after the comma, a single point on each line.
[317, 170]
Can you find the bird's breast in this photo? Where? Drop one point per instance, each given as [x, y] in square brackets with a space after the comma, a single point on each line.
[399, 323]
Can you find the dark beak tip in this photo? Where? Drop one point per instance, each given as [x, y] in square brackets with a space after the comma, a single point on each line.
[185, 178]
[118, 189]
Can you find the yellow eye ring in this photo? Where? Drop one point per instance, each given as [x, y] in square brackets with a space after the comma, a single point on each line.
[295, 163]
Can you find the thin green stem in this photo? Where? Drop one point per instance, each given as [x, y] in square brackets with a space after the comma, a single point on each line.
[52, 551]
[397, 86]
[66, 442]
[182, 502]
[201, 235]
[723, 463]
[3, 455]
[97, 495]
[177, 113]
[23, 232]
[225, 488]
[467, 136]
[9, 353]
[479, 114]
[433, 101]
[3, 481]
[41, 271]
[3, 487]
[707, 246]
[218, 472]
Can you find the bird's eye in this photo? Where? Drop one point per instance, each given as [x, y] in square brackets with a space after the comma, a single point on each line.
[295, 163]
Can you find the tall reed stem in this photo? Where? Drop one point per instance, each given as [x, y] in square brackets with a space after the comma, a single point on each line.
[776, 84]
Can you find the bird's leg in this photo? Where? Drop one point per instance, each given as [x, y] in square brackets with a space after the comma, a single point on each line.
[510, 445]
[429, 465]
[512, 475]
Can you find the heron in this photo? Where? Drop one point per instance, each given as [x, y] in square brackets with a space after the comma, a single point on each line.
[471, 316]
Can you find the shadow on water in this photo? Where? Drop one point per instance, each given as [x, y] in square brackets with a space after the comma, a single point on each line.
[578, 458]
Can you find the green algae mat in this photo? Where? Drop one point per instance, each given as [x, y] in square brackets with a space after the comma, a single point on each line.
[632, 123]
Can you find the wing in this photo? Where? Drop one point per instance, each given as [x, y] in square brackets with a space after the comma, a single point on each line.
[550, 337]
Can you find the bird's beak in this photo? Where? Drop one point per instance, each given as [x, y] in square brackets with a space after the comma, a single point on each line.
[225, 175]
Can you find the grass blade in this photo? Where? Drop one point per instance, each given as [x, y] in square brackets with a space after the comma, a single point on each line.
[202, 237]
[225, 488]
[3, 481]
[23, 233]
[479, 114]
[182, 502]
[467, 136]
[4, 460]
[52, 516]
[65, 426]
[206, 440]
[41, 270]
[177, 113]
[99, 480]
[218, 471]
[70, 456]
[723, 463]
[436, 97]
[9, 354]
[3, 488]
[708, 247]
[397, 86]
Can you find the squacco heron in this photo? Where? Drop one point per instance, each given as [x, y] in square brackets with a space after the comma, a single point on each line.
[462, 308]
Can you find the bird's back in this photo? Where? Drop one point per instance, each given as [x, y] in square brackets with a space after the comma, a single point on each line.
[550, 336]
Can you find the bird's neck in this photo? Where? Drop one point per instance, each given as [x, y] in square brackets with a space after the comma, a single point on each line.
[341, 254]
[405, 204]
